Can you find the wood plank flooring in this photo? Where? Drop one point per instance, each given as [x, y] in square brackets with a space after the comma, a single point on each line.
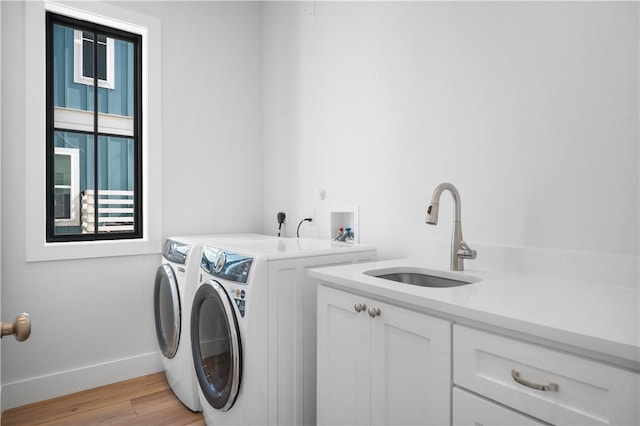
[146, 400]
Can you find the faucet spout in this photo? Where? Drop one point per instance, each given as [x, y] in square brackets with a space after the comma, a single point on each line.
[434, 207]
[459, 249]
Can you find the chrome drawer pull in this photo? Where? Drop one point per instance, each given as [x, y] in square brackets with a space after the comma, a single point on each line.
[359, 307]
[551, 387]
[374, 312]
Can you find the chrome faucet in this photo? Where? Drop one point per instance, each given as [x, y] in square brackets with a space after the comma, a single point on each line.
[459, 249]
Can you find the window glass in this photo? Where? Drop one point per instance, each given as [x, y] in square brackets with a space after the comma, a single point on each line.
[68, 90]
[73, 174]
[88, 38]
[62, 177]
[102, 57]
[116, 184]
[119, 99]
[62, 173]
[94, 157]
[87, 54]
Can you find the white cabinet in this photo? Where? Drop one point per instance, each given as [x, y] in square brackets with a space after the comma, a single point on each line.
[556, 387]
[379, 363]
[343, 362]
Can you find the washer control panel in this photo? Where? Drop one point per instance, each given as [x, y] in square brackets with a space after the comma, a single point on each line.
[239, 295]
[226, 265]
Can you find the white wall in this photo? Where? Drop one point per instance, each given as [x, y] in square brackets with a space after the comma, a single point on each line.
[212, 116]
[93, 319]
[530, 109]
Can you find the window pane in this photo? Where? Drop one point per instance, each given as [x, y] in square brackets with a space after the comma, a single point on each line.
[87, 58]
[118, 100]
[116, 184]
[62, 203]
[102, 61]
[68, 91]
[73, 175]
[62, 170]
[87, 55]
[84, 145]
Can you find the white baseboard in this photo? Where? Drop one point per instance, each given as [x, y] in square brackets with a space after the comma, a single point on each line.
[63, 383]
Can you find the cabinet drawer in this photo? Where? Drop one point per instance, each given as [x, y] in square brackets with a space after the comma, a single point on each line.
[471, 410]
[578, 391]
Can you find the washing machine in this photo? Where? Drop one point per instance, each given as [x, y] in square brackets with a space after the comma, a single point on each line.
[175, 283]
[253, 328]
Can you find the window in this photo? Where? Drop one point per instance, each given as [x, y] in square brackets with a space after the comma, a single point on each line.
[149, 201]
[83, 53]
[94, 138]
[66, 183]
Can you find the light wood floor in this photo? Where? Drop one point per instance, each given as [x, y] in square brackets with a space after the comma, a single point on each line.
[146, 400]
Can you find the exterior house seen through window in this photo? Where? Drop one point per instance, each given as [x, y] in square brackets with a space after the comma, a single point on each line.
[94, 171]
[83, 59]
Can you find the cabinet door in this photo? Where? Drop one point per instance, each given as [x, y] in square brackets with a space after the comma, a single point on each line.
[343, 359]
[410, 367]
[471, 410]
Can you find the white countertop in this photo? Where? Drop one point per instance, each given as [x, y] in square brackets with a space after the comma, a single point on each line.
[584, 317]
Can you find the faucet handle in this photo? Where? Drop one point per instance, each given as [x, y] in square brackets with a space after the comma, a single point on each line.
[466, 252]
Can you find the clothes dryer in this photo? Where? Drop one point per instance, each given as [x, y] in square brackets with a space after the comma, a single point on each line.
[181, 258]
[253, 328]
[175, 283]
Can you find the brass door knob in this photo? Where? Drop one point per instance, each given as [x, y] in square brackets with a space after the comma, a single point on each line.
[21, 327]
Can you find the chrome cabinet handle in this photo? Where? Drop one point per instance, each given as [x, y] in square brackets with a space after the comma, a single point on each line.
[551, 387]
[359, 307]
[21, 327]
[374, 312]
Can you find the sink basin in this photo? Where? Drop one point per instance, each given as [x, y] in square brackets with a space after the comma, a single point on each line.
[423, 277]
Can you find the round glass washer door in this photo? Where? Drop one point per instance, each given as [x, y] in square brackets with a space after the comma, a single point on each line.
[215, 343]
[166, 302]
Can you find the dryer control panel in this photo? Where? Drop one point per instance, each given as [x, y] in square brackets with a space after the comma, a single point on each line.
[175, 252]
[226, 265]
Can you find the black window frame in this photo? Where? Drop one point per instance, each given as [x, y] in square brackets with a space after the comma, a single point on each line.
[82, 25]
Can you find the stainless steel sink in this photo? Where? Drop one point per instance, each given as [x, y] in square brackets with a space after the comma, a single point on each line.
[423, 277]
